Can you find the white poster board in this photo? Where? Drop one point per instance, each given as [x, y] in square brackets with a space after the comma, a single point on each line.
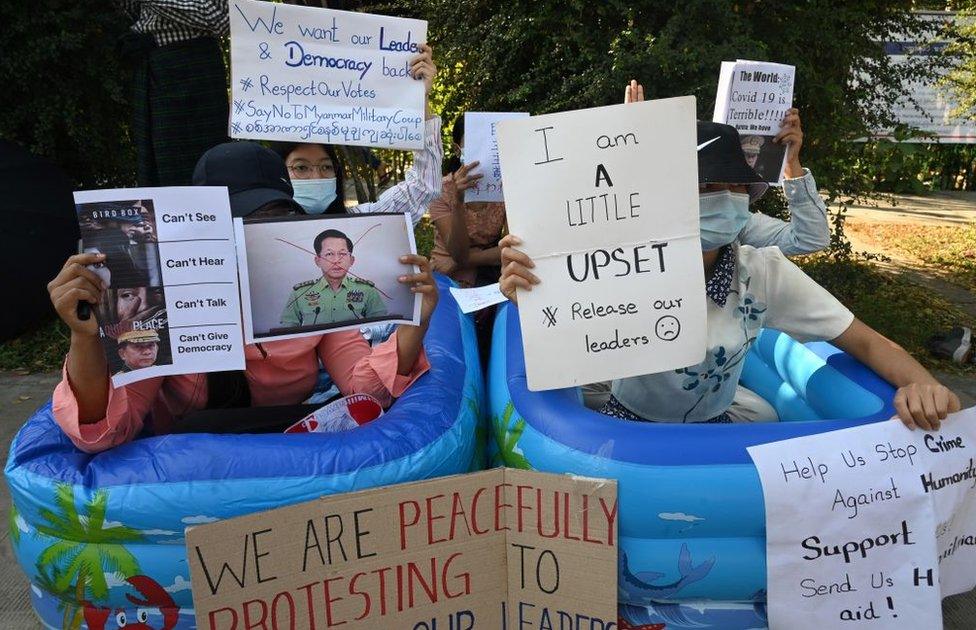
[481, 145]
[172, 304]
[871, 526]
[290, 290]
[605, 201]
[308, 74]
[753, 97]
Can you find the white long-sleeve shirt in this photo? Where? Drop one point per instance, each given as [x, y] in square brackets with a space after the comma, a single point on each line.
[806, 232]
[421, 184]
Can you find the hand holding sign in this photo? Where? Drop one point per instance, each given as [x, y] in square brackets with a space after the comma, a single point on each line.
[605, 202]
[634, 92]
[77, 283]
[791, 134]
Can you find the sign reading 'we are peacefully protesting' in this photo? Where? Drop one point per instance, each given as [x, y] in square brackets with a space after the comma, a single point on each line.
[499, 549]
[605, 201]
[318, 75]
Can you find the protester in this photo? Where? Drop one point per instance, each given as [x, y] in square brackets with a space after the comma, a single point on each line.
[467, 234]
[319, 179]
[179, 84]
[808, 229]
[96, 416]
[748, 289]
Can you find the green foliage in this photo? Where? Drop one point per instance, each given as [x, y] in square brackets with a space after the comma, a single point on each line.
[547, 56]
[64, 96]
[960, 52]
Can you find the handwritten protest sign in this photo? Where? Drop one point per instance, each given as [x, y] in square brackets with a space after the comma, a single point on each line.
[481, 145]
[477, 298]
[310, 74]
[869, 527]
[496, 549]
[754, 97]
[171, 306]
[605, 201]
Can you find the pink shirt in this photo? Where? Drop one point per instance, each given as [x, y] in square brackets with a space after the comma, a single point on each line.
[278, 372]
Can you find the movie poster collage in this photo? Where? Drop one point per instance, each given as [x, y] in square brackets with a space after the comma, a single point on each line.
[132, 312]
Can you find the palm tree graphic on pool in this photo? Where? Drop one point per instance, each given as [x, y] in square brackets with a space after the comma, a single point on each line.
[84, 549]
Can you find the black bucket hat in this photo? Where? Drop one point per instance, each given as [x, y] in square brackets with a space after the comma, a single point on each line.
[721, 160]
[253, 174]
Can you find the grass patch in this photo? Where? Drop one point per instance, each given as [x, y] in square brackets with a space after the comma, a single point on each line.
[40, 349]
[897, 308]
[950, 249]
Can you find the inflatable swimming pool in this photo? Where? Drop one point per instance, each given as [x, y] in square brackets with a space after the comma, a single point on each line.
[677, 546]
[102, 535]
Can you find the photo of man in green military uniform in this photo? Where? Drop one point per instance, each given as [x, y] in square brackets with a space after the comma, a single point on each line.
[335, 296]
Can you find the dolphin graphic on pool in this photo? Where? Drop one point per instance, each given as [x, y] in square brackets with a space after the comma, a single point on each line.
[639, 587]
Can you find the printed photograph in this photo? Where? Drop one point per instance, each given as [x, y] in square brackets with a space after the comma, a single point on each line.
[136, 345]
[132, 312]
[310, 274]
[765, 156]
[125, 231]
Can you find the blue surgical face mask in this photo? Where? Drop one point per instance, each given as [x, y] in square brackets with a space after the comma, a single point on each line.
[315, 195]
[723, 214]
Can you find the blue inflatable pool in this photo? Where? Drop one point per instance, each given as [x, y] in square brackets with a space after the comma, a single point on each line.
[681, 547]
[102, 536]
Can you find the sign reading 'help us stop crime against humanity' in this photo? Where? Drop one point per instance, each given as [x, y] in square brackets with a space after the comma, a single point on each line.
[605, 201]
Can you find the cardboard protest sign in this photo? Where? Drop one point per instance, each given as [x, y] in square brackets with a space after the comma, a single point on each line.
[496, 549]
[481, 145]
[753, 97]
[605, 201]
[171, 306]
[311, 74]
[305, 275]
[872, 525]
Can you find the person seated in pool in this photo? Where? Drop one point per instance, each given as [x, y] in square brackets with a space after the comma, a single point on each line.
[319, 180]
[278, 375]
[747, 289]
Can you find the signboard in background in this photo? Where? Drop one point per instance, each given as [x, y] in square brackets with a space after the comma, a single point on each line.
[483, 550]
[481, 145]
[605, 201]
[172, 305]
[869, 527]
[753, 97]
[309, 74]
[932, 111]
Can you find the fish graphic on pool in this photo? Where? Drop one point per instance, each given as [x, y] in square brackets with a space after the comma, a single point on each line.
[638, 586]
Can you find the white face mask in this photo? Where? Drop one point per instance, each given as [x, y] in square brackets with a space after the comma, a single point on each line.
[315, 195]
[722, 214]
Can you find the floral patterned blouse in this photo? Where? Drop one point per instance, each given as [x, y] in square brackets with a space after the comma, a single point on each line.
[764, 290]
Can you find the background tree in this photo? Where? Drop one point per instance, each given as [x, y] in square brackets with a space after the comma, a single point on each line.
[553, 55]
[64, 95]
